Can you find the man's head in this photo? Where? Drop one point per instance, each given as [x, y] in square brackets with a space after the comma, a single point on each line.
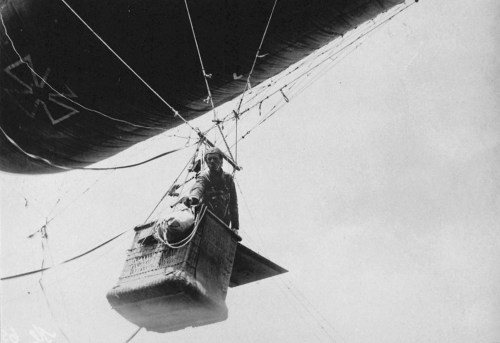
[213, 158]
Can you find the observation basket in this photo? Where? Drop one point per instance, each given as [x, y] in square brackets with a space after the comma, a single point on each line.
[163, 289]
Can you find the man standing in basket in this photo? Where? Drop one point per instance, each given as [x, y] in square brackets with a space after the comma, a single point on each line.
[215, 189]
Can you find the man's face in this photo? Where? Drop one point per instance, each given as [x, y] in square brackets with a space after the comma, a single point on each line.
[214, 162]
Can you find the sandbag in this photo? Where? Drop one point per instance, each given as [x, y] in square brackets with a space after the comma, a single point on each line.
[177, 226]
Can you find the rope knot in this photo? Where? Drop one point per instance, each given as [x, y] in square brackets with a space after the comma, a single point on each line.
[43, 231]
[284, 96]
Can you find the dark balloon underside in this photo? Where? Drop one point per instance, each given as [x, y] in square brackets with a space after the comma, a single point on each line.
[58, 115]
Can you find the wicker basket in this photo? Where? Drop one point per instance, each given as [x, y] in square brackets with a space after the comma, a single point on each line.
[164, 289]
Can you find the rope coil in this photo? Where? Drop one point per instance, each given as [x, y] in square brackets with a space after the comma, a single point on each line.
[161, 235]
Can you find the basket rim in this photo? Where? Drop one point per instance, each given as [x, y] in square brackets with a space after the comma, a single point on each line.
[210, 213]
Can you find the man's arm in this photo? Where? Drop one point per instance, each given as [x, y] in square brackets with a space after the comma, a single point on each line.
[198, 189]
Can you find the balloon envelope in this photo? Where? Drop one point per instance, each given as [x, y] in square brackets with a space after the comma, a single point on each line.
[68, 99]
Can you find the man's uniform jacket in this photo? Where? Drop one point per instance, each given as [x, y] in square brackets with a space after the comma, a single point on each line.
[217, 191]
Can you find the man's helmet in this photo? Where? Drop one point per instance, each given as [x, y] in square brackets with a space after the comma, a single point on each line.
[214, 150]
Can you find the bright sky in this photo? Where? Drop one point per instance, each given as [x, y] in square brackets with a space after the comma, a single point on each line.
[377, 188]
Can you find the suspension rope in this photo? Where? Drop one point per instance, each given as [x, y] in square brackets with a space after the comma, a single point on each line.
[206, 77]
[257, 55]
[176, 113]
[119, 58]
[42, 79]
[247, 83]
[173, 183]
[236, 118]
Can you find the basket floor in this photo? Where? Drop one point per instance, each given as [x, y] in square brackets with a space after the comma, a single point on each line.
[173, 312]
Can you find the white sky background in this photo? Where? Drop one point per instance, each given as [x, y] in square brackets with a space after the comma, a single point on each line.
[378, 188]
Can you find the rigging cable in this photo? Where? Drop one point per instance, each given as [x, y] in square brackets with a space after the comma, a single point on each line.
[288, 288]
[176, 113]
[71, 203]
[44, 240]
[260, 240]
[278, 106]
[52, 164]
[22, 195]
[294, 296]
[87, 189]
[65, 261]
[303, 311]
[133, 335]
[392, 14]
[205, 77]
[135, 164]
[78, 273]
[257, 55]
[92, 249]
[52, 217]
[306, 73]
[293, 289]
[247, 83]
[175, 181]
